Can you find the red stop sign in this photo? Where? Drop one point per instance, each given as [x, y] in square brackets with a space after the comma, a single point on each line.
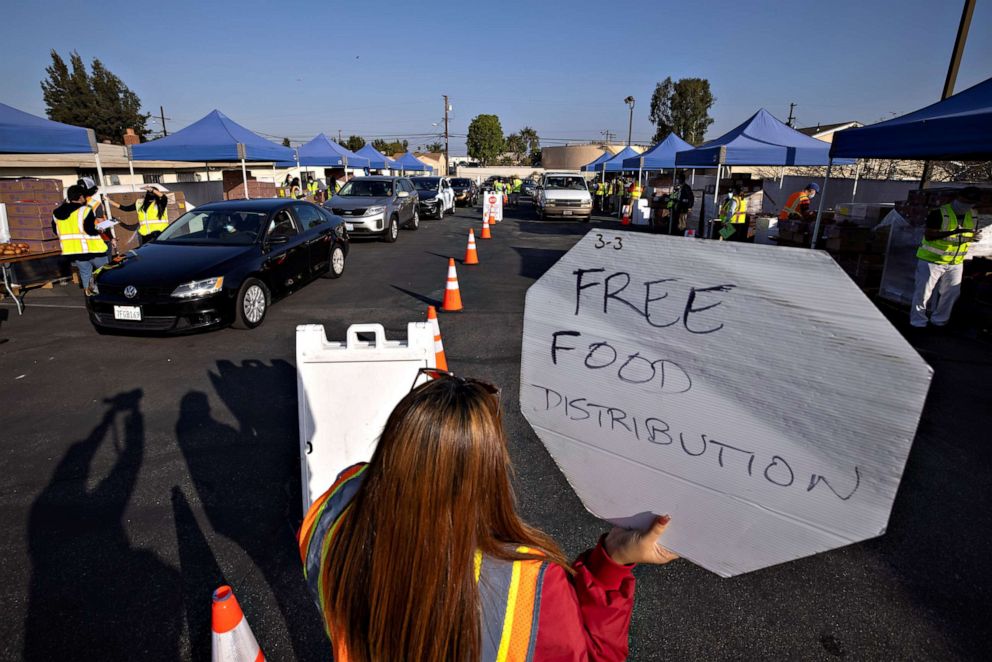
[492, 199]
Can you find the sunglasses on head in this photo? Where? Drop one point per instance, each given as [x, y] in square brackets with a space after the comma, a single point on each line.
[436, 373]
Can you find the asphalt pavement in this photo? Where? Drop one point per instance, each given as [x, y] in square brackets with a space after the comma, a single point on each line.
[143, 472]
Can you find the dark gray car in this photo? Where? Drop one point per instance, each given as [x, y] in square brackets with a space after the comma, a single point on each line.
[377, 206]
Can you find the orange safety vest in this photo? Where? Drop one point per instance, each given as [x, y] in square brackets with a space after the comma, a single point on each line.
[509, 591]
[792, 205]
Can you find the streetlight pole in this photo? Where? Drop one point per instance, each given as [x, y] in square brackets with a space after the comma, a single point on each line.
[446, 109]
[630, 123]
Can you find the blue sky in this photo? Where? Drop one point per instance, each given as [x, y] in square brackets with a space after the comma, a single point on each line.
[379, 68]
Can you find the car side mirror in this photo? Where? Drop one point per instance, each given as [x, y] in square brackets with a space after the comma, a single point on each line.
[403, 194]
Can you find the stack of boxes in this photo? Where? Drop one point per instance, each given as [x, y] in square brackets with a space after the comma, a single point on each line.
[234, 187]
[29, 204]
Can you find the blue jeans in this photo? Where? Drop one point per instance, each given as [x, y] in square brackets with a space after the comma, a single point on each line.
[87, 266]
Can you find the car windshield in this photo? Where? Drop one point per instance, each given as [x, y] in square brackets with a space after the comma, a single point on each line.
[425, 183]
[461, 182]
[228, 227]
[366, 188]
[569, 183]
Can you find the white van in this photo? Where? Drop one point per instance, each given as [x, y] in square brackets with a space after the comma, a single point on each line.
[563, 195]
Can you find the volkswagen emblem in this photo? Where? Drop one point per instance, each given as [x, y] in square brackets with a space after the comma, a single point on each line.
[130, 291]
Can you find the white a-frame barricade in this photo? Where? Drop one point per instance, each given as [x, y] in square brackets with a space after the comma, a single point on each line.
[492, 205]
[346, 392]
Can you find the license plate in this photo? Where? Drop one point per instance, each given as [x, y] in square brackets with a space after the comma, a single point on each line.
[566, 212]
[132, 313]
[349, 226]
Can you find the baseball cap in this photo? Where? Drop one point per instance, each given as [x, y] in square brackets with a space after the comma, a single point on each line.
[87, 184]
[813, 186]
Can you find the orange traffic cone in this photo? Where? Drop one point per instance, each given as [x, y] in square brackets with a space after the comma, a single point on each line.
[626, 216]
[440, 362]
[233, 640]
[486, 232]
[471, 255]
[452, 296]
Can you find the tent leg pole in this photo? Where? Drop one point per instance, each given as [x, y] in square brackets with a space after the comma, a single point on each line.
[130, 167]
[819, 211]
[781, 177]
[857, 175]
[244, 177]
[99, 168]
[708, 230]
[692, 178]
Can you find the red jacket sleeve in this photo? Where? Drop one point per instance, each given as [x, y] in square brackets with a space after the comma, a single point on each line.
[586, 617]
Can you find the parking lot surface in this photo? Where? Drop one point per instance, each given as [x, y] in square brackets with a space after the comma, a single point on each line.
[142, 472]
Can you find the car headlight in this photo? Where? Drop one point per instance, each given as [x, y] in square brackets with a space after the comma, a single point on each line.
[198, 288]
[372, 211]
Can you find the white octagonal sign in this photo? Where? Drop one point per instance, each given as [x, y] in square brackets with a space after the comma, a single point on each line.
[752, 392]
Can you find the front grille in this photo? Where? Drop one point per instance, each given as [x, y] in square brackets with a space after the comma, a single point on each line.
[349, 212]
[148, 323]
[144, 291]
[566, 203]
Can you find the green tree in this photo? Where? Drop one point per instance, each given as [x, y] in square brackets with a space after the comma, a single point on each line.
[682, 107]
[354, 143]
[286, 143]
[485, 139]
[390, 148]
[98, 100]
[516, 148]
[435, 147]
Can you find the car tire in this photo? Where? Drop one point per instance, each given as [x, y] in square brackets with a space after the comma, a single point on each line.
[392, 230]
[251, 304]
[414, 222]
[335, 266]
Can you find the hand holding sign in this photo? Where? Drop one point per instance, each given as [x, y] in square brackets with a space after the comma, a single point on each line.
[753, 392]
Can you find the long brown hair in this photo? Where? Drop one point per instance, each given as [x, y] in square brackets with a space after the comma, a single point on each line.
[400, 582]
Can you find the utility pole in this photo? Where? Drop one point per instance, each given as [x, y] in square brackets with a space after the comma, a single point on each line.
[446, 109]
[339, 136]
[791, 122]
[952, 67]
[165, 132]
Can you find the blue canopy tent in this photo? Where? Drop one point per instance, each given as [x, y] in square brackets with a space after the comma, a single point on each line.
[410, 162]
[216, 137]
[615, 162]
[592, 165]
[23, 133]
[761, 140]
[377, 160]
[322, 151]
[659, 157]
[959, 127]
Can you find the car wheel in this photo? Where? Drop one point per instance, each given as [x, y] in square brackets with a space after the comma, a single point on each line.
[251, 304]
[414, 222]
[392, 230]
[336, 266]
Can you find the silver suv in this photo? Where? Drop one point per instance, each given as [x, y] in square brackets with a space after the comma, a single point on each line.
[377, 205]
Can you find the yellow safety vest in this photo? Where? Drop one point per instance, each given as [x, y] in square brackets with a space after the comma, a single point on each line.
[517, 183]
[636, 194]
[509, 591]
[601, 189]
[740, 214]
[950, 250]
[151, 220]
[73, 239]
[312, 187]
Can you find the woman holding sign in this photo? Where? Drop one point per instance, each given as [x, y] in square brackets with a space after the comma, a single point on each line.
[420, 554]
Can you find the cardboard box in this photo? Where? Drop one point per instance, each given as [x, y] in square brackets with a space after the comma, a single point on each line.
[24, 234]
[41, 245]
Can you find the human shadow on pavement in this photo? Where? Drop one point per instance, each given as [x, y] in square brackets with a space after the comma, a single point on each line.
[419, 297]
[93, 594]
[247, 481]
[534, 262]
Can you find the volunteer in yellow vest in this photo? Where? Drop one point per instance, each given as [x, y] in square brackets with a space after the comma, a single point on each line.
[798, 204]
[409, 559]
[312, 188]
[515, 190]
[295, 191]
[153, 213]
[733, 213]
[939, 267]
[600, 194]
[75, 223]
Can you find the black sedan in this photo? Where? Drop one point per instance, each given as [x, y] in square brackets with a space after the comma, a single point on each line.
[466, 191]
[221, 263]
